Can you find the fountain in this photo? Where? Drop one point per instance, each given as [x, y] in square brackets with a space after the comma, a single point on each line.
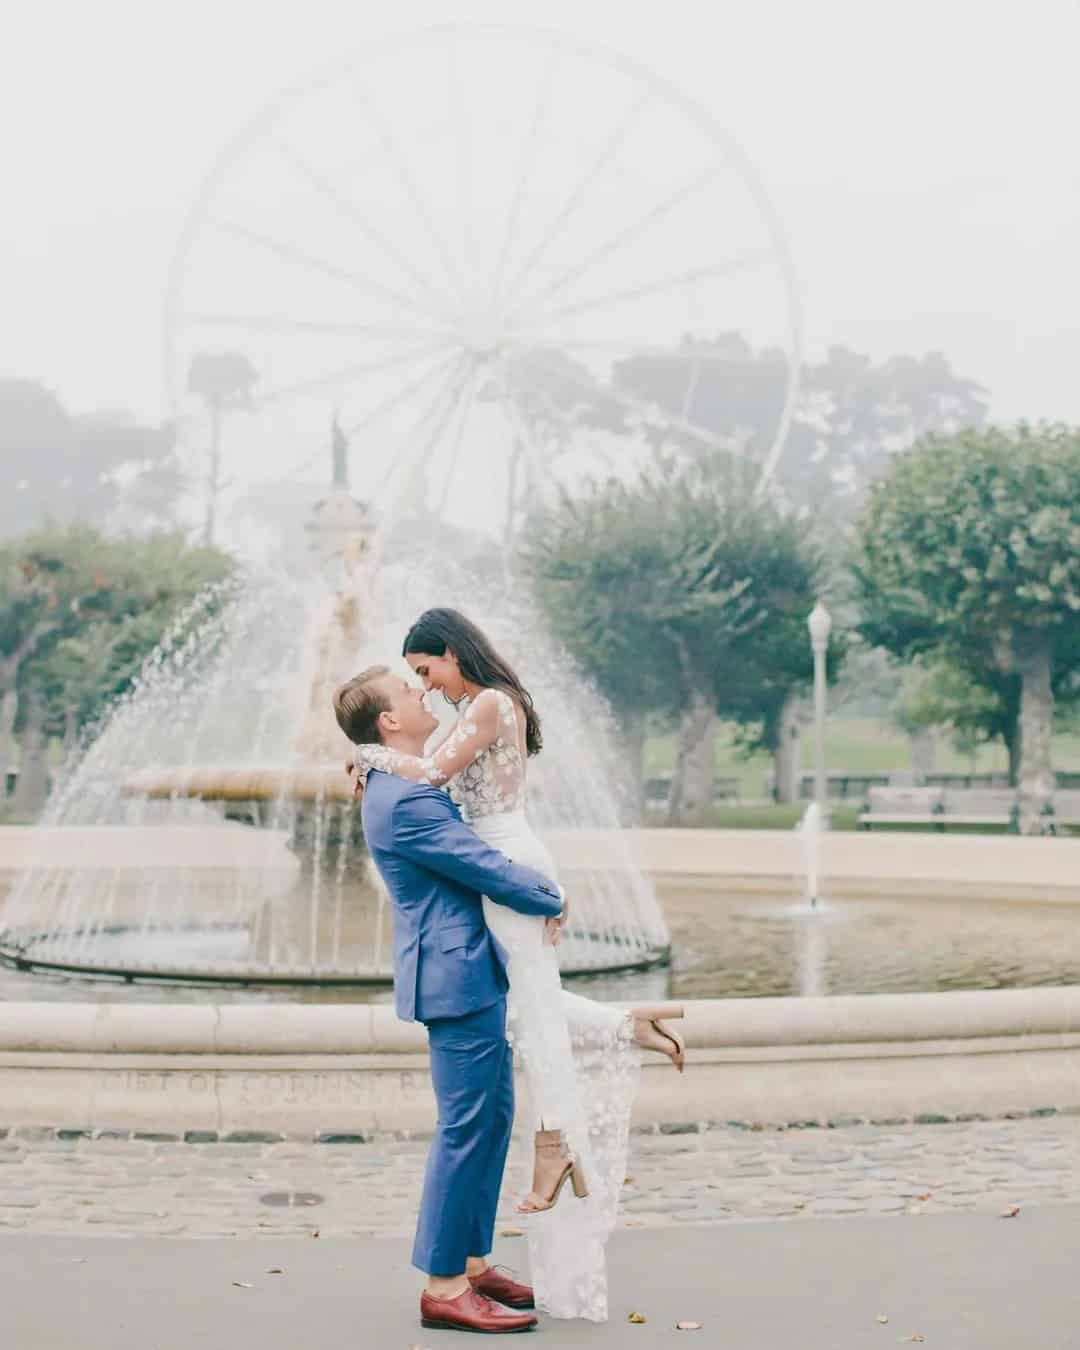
[219, 841]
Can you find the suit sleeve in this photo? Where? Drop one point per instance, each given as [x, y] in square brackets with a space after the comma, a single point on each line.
[428, 830]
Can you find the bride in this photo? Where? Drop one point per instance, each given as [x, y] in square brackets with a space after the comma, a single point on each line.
[580, 1058]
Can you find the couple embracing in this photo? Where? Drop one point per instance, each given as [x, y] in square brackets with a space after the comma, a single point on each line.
[478, 915]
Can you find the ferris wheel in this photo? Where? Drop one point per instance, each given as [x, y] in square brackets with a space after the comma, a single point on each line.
[494, 256]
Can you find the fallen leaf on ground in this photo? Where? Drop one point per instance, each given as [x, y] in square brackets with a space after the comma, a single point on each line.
[687, 1326]
[915, 1336]
[275, 1270]
[1010, 1211]
[881, 1318]
[628, 1181]
[511, 1232]
[314, 1232]
[925, 1195]
[636, 1317]
[242, 1284]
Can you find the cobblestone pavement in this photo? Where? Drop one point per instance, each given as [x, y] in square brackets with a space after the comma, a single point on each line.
[121, 1186]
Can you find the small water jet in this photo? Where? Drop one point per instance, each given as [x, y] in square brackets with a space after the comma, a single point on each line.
[810, 832]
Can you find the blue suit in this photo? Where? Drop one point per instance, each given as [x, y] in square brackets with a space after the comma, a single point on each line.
[450, 973]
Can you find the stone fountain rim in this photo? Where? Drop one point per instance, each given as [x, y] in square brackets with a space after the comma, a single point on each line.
[774, 1060]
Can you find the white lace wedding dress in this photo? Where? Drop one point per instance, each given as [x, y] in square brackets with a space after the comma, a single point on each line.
[578, 1057]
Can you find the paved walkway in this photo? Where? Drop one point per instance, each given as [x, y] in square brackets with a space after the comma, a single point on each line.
[948, 1281]
[123, 1186]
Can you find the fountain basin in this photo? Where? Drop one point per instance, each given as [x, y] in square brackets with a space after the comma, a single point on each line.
[250, 783]
[254, 908]
[301, 1069]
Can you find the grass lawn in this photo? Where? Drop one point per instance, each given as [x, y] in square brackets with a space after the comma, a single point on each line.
[857, 745]
[766, 816]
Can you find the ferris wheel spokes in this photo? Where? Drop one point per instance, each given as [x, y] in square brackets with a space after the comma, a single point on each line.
[457, 435]
[360, 221]
[347, 374]
[626, 235]
[256, 323]
[526, 165]
[679, 281]
[599, 164]
[308, 260]
[422, 439]
[395, 158]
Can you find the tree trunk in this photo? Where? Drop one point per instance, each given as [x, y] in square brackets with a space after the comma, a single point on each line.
[695, 770]
[71, 731]
[632, 733]
[923, 750]
[9, 707]
[1036, 728]
[1012, 745]
[787, 757]
[32, 791]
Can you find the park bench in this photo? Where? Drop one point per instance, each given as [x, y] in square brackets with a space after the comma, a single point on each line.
[967, 780]
[939, 807]
[981, 806]
[943, 808]
[1064, 809]
[903, 806]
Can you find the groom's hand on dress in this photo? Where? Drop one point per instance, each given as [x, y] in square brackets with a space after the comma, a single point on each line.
[553, 928]
[355, 779]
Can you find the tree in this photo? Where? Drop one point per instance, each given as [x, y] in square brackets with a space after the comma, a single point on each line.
[969, 550]
[225, 382]
[852, 415]
[79, 613]
[92, 468]
[678, 593]
[771, 667]
[593, 566]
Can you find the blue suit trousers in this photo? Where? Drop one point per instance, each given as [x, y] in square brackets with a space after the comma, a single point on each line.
[473, 1074]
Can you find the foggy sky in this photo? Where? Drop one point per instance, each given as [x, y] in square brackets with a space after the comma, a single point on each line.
[922, 157]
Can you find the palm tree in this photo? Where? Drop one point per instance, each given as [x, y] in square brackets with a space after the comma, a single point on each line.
[224, 380]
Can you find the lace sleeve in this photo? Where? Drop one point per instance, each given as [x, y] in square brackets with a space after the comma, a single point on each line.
[476, 731]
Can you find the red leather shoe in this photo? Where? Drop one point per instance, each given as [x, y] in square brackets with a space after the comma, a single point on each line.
[502, 1289]
[471, 1311]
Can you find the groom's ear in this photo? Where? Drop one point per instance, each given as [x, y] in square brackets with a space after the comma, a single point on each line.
[387, 721]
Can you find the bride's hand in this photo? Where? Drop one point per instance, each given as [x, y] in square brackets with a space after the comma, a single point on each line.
[356, 778]
[553, 931]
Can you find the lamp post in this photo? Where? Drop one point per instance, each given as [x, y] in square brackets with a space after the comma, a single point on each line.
[820, 625]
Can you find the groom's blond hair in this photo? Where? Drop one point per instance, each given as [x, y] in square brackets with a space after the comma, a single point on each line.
[358, 704]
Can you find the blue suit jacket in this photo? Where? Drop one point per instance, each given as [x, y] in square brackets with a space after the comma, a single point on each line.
[446, 962]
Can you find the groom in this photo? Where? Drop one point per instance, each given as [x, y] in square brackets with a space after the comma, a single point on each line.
[449, 973]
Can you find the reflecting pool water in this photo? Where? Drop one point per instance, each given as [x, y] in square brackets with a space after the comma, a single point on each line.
[746, 946]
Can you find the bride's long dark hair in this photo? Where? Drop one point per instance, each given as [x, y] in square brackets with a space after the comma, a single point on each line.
[437, 631]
